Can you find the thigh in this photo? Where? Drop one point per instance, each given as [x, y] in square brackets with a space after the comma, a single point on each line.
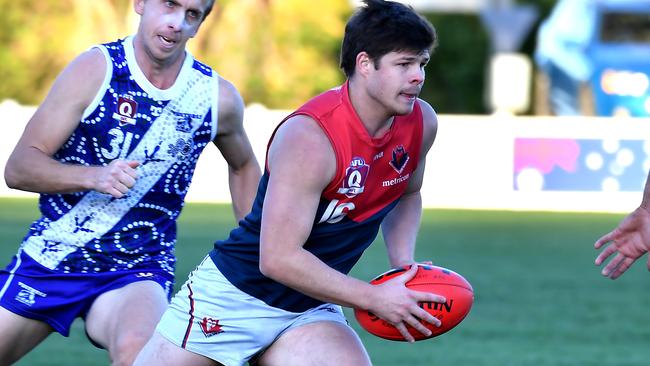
[19, 335]
[321, 343]
[123, 320]
[161, 352]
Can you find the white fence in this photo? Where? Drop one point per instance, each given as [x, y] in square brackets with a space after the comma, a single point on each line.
[476, 162]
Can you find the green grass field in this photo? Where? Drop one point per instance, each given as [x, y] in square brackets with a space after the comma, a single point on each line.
[539, 298]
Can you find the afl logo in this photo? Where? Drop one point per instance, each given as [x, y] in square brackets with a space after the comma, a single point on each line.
[355, 177]
[126, 110]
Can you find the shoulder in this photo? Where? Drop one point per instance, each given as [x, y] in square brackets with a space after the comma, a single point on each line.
[429, 124]
[89, 67]
[301, 140]
[231, 106]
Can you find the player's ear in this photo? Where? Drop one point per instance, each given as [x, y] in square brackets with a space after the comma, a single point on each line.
[363, 63]
[138, 5]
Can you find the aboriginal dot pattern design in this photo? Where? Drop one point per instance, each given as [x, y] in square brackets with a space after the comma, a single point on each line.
[166, 130]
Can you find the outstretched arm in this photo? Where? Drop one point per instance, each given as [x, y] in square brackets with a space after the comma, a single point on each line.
[243, 168]
[31, 166]
[629, 240]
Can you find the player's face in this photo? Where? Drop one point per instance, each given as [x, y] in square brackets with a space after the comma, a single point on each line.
[166, 26]
[396, 80]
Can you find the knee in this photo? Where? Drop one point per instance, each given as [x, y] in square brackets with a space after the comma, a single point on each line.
[124, 350]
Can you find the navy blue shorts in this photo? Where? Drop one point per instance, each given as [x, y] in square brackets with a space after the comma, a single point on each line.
[33, 291]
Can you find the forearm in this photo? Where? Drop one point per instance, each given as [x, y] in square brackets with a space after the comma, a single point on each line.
[243, 187]
[400, 229]
[304, 272]
[29, 169]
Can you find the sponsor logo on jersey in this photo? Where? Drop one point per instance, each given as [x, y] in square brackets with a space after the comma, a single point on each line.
[184, 121]
[394, 181]
[400, 158]
[210, 326]
[126, 110]
[28, 294]
[355, 177]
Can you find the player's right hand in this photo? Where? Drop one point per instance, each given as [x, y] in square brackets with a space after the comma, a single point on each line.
[398, 305]
[117, 178]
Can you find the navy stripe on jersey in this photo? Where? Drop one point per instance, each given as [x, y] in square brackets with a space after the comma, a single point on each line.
[339, 245]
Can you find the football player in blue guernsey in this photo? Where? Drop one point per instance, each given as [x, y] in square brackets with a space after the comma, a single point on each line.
[112, 150]
[345, 164]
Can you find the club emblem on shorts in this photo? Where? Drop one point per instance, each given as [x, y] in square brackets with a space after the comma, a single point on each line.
[28, 294]
[210, 326]
[400, 158]
[355, 177]
[126, 110]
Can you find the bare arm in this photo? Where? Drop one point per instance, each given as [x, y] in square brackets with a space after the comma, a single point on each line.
[401, 225]
[302, 163]
[243, 168]
[31, 166]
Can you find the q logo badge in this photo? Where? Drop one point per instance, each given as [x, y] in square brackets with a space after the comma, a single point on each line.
[355, 177]
[126, 110]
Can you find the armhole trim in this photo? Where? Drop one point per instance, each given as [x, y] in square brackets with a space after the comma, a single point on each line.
[215, 105]
[105, 84]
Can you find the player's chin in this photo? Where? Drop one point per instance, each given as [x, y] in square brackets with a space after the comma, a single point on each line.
[403, 109]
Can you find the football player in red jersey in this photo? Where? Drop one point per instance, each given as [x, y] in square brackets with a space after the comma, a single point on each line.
[346, 163]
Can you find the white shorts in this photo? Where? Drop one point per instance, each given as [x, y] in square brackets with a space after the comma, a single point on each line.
[213, 318]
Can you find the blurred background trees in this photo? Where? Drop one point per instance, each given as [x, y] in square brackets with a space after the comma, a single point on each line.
[277, 52]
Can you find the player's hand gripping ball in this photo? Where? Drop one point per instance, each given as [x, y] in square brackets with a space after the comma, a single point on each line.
[429, 278]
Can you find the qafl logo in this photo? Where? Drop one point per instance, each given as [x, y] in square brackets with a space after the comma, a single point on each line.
[355, 177]
[126, 110]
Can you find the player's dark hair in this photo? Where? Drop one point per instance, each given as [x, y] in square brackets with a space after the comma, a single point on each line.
[208, 9]
[381, 27]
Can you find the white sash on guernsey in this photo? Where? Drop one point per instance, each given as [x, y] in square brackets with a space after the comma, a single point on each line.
[97, 213]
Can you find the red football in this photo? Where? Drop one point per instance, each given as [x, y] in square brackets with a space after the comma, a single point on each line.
[429, 278]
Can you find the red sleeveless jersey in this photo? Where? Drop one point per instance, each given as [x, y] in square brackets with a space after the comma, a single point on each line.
[371, 176]
[371, 172]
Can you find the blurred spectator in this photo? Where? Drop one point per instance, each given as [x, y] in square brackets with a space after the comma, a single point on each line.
[561, 44]
[593, 55]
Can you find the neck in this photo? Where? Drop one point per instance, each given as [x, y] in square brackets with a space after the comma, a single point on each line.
[373, 115]
[161, 73]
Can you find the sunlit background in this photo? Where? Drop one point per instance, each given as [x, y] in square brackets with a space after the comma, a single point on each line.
[502, 80]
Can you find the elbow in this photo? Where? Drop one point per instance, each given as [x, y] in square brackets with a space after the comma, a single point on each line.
[266, 267]
[270, 267]
[12, 176]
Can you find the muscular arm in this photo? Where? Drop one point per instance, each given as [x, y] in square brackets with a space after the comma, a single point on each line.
[31, 166]
[243, 168]
[302, 163]
[400, 226]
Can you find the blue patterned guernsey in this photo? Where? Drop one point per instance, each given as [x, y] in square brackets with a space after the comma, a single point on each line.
[164, 130]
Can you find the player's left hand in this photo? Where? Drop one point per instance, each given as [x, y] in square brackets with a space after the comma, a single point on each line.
[629, 241]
